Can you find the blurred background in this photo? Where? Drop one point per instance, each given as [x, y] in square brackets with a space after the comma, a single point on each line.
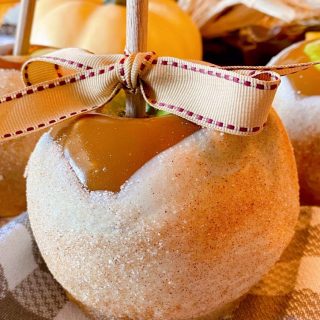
[233, 32]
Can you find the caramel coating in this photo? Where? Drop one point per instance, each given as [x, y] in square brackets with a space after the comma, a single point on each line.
[103, 152]
[298, 104]
[191, 231]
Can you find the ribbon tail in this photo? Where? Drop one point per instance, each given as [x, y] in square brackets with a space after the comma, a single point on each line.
[45, 104]
[282, 70]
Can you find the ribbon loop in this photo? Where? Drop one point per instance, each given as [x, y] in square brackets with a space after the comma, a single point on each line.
[70, 82]
[62, 63]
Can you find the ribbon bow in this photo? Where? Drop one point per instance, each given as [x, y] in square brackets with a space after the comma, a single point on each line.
[70, 82]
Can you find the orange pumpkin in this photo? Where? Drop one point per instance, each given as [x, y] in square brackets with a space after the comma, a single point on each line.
[99, 26]
[5, 5]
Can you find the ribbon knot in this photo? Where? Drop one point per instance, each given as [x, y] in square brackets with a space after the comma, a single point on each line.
[132, 66]
[69, 82]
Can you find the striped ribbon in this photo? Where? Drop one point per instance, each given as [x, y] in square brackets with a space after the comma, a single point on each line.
[69, 82]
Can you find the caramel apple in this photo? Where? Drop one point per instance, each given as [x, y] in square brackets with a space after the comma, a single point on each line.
[298, 104]
[157, 219]
[13, 154]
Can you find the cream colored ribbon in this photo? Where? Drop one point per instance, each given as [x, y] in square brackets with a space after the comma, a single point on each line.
[69, 82]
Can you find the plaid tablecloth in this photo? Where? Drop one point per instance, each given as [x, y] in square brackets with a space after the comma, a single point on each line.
[290, 291]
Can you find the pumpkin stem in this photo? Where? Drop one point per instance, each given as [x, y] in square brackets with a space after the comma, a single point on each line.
[117, 2]
[136, 41]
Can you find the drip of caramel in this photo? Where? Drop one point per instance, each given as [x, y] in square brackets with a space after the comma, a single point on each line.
[307, 82]
[105, 151]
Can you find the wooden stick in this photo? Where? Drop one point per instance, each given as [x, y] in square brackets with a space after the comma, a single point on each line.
[136, 41]
[22, 43]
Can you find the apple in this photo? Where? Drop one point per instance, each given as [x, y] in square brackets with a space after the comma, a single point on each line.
[158, 219]
[13, 154]
[298, 104]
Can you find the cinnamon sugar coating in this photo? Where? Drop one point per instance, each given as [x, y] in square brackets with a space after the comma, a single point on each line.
[298, 104]
[191, 231]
